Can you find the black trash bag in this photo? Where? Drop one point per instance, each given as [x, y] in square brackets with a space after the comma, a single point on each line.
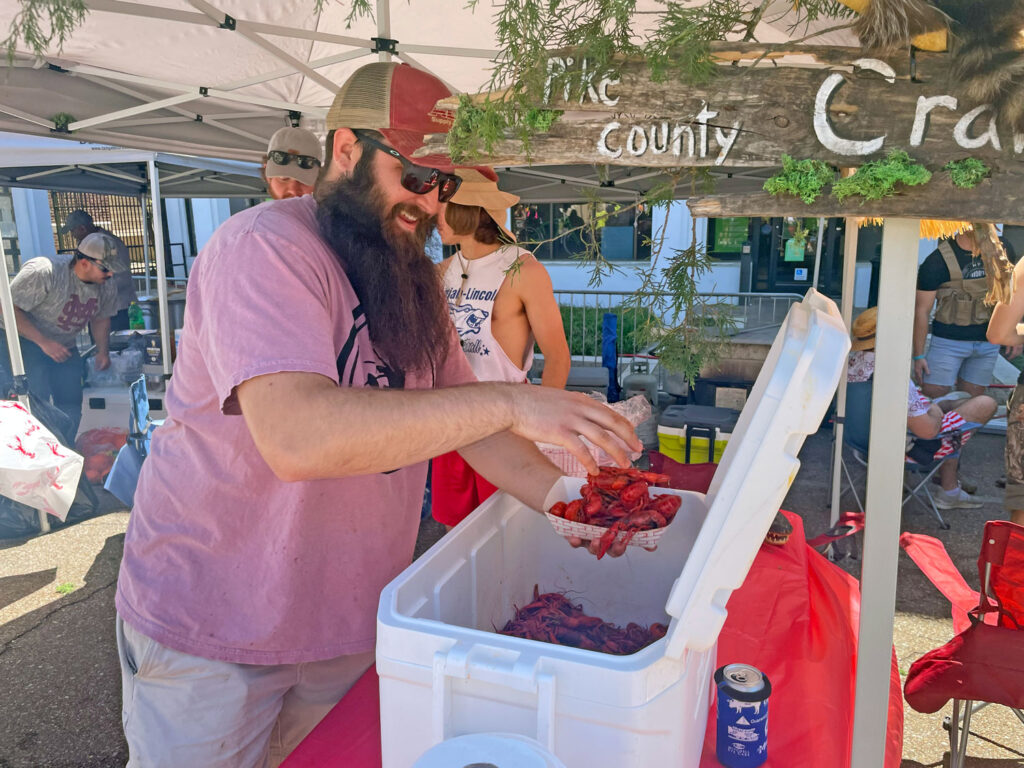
[18, 520]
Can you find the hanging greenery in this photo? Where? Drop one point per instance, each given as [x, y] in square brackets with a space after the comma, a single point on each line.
[802, 178]
[44, 25]
[967, 173]
[878, 179]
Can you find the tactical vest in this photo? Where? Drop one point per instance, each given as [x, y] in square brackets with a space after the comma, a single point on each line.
[960, 302]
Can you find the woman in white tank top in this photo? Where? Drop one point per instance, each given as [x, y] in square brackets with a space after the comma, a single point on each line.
[501, 302]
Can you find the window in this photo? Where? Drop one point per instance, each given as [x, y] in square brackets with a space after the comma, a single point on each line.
[727, 237]
[563, 231]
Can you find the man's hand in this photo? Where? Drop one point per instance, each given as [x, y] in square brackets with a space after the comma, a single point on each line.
[1012, 353]
[102, 361]
[57, 351]
[920, 369]
[547, 415]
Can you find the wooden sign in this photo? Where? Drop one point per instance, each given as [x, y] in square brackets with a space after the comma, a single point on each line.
[836, 105]
[999, 199]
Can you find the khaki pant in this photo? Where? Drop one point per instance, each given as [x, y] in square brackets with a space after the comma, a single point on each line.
[1013, 498]
[181, 710]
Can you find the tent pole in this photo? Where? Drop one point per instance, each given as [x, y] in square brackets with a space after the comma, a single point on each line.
[817, 253]
[161, 267]
[850, 234]
[14, 348]
[384, 26]
[885, 489]
[145, 242]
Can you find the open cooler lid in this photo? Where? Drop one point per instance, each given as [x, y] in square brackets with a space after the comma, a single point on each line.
[787, 403]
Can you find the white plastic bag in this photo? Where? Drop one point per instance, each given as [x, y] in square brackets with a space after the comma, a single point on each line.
[35, 468]
[636, 410]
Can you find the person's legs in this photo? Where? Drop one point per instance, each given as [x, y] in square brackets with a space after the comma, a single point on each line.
[38, 369]
[976, 369]
[66, 386]
[944, 358]
[182, 710]
[1013, 495]
[321, 685]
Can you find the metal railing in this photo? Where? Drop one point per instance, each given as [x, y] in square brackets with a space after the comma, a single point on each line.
[583, 311]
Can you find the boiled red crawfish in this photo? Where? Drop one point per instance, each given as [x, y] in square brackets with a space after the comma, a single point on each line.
[552, 618]
[618, 500]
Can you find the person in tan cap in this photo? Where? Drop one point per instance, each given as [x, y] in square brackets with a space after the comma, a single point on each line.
[292, 163]
[55, 297]
[80, 225]
[925, 419]
[318, 373]
[501, 301]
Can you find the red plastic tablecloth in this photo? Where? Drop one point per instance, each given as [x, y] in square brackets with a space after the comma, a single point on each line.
[795, 618]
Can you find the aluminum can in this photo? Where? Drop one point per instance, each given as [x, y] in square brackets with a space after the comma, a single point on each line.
[742, 734]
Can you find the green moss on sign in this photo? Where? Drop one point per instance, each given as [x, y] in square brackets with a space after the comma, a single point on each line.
[880, 178]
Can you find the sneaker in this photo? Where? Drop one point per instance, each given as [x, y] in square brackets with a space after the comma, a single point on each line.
[955, 499]
[967, 485]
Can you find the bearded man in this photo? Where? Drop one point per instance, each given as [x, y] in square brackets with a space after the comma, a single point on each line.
[317, 373]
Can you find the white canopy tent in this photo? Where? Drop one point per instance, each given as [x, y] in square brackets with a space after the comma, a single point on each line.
[218, 78]
[45, 163]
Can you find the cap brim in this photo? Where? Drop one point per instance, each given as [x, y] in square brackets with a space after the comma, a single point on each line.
[307, 176]
[408, 143]
[498, 215]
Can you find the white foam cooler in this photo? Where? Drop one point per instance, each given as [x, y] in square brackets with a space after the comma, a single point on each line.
[445, 672]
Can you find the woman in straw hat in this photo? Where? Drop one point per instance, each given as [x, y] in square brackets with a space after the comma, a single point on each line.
[501, 301]
[925, 419]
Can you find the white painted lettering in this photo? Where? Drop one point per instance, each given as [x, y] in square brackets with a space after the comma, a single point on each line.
[1018, 143]
[587, 78]
[823, 128]
[677, 140]
[554, 64]
[659, 143]
[703, 116]
[602, 92]
[926, 104]
[636, 144]
[602, 143]
[726, 140]
[960, 132]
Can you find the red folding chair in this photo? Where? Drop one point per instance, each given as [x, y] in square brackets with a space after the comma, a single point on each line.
[984, 663]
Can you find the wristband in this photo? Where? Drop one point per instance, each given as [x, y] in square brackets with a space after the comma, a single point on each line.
[918, 357]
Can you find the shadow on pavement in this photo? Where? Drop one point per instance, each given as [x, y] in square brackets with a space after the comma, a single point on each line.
[62, 679]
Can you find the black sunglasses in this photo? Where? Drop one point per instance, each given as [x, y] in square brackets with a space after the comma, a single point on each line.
[103, 267]
[418, 179]
[279, 157]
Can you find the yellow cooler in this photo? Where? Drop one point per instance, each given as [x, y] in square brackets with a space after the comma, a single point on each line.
[691, 434]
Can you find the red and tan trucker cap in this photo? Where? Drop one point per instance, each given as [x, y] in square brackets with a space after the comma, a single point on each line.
[400, 102]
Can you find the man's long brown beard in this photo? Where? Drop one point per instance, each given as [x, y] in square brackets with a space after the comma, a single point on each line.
[398, 286]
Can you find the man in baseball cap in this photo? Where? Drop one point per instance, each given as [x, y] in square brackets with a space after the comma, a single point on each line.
[55, 297]
[317, 373]
[292, 163]
[80, 224]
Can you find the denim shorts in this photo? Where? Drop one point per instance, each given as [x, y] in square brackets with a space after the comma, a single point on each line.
[949, 360]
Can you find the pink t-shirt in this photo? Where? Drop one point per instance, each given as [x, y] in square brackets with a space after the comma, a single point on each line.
[221, 559]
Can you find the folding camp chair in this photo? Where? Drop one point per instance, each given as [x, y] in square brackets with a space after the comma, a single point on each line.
[124, 475]
[855, 436]
[984, 663]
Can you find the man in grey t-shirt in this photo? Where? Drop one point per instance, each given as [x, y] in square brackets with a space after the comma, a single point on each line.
[54, 298]
[80, 224]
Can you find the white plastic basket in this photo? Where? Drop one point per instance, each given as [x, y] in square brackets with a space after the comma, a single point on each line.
[646, 539]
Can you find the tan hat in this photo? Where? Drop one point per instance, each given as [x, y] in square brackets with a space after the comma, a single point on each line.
[299, 143]
[480, 187]
[400, 102]
[863, 330]
[100, 248]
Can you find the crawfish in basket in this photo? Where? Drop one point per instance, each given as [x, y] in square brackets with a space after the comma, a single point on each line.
[618, 499]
